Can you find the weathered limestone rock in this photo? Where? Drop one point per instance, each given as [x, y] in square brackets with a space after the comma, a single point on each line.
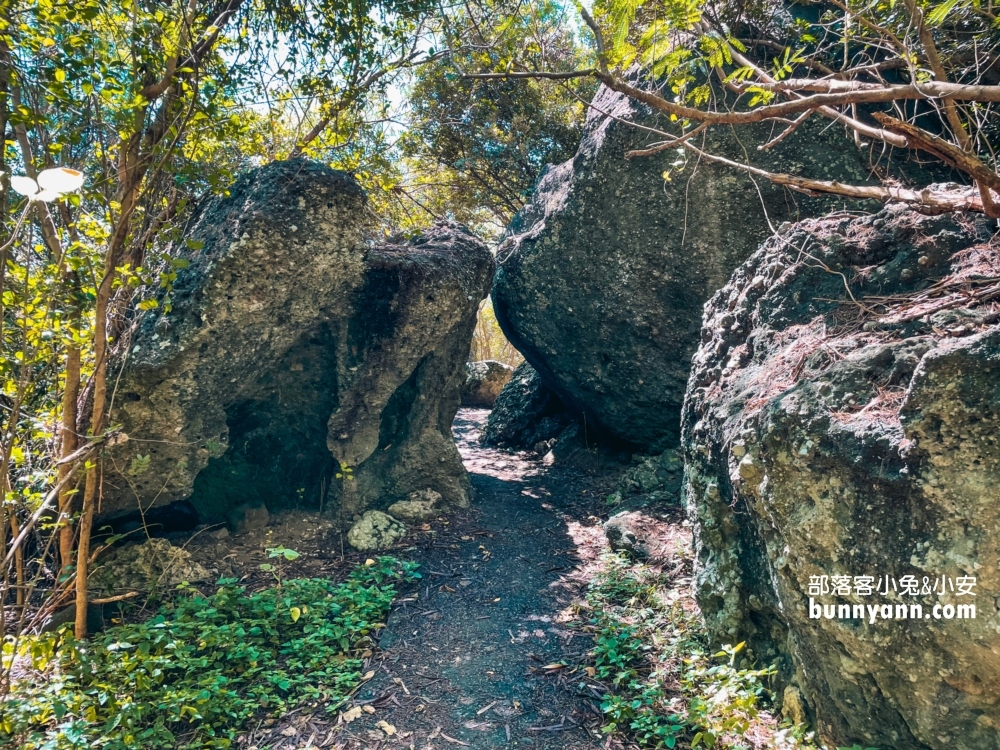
[603, 274]
[624, 532]
[375, 531]
[249, 517]
[483, 382]
[296, 352]
[422, 506]
[154, 565]
[525, 414]
[853, 433]
[652, 479]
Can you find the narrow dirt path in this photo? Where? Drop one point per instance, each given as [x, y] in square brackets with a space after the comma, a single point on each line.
[468, 658]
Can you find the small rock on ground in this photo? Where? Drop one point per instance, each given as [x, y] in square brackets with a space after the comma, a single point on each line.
[375, 531]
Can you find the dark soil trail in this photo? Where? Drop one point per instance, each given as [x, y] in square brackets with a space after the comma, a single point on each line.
[468, 657]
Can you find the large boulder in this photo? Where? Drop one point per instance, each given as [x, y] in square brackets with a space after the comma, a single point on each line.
[603, 274]
[525, 414]
[299, 365]
[840, 439]
[483, 382]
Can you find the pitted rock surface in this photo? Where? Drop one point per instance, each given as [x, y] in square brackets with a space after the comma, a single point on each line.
[603, 274]
[295, 352]
[375, 531]
[841, 420]
[525, 414]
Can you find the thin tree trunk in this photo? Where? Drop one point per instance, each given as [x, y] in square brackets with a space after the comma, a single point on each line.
[97, 426]
[15, 530]
[69, 444]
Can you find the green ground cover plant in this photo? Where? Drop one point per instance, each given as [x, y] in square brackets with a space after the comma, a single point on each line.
[668, 689]
[196, 672]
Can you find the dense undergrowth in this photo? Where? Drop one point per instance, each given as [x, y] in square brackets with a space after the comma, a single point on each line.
[194, 674]
[667, 688]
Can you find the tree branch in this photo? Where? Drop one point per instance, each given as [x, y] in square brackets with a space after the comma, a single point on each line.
[531, 74]
[925, 201]
[602, 49]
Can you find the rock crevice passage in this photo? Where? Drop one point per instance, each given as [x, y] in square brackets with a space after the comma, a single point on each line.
[467, 656]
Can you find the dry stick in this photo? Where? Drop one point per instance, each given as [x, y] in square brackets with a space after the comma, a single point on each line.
[836, 115]
[931, 202]
[97, 425]
[984, 177]
[793, 126]
[45, 505]
[674, 143]
[18, 562]
[832, 94]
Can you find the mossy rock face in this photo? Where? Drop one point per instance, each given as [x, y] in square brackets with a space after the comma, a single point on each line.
[841, 420]
[653, 479]
[603, 275]
[296, 352]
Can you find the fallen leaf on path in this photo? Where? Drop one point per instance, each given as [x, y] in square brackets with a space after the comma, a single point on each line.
[368, 709]
[484, 709]
[454, 741]
[481, 726]
[289, 732]
[350, 715]
[386, 727]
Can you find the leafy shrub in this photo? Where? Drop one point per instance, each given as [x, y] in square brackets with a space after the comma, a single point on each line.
[667, 690]
[196, 672]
